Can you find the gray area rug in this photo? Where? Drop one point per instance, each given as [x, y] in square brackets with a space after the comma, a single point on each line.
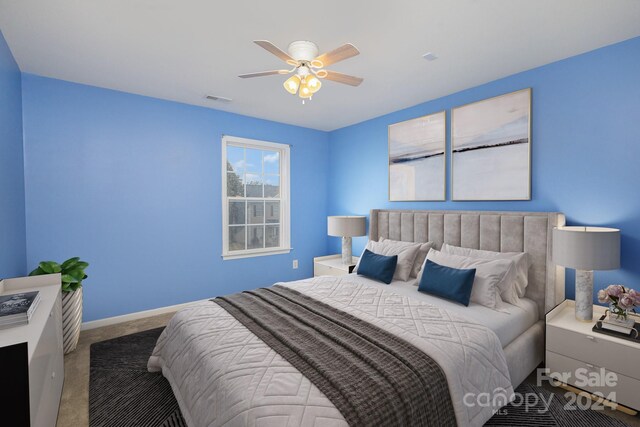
[536, 413]
[122, 393]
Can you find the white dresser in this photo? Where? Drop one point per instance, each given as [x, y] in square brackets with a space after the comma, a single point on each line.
[44, 355]
[578, 353]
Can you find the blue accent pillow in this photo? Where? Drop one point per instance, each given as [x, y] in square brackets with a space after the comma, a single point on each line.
[378, 267]
[446, 282]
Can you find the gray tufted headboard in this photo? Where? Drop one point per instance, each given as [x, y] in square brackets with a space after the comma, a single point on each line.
[494, 231]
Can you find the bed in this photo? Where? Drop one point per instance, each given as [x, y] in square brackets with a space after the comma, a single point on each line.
[223, 374]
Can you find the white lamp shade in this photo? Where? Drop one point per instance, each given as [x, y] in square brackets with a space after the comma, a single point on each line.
[587, 248]
[346, 226]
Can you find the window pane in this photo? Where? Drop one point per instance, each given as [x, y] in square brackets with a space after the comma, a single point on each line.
[237, 212]
[235, 185]
[254, 185]
[255, 237]
[272, 212]
[235, 159]
[272, 186]
[236, 238]
[253, 160]
[271, 161]
[256, 212]
[272, 238]
[255, 191]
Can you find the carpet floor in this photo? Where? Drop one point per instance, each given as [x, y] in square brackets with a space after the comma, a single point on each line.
[122, 393]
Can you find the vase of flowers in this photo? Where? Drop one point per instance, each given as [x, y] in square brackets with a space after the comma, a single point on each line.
[621, 302]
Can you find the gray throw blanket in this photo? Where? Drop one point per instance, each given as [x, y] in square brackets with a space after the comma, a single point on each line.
[371, 376]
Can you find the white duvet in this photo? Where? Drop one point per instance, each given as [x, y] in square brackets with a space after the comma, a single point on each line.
[222, 374]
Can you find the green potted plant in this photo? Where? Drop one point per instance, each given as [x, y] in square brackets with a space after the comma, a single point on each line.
[71, 274]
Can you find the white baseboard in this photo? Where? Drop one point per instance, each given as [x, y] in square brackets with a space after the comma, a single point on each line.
[134, 316]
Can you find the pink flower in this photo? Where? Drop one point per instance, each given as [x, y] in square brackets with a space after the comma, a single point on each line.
[615, 290]
[635, 295]
[603, 296]
[626, 302]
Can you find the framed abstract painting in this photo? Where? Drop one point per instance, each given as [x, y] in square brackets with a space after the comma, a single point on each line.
[417, 159]
[491, 148]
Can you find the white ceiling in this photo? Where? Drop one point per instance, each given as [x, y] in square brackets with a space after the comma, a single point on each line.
[181, 50]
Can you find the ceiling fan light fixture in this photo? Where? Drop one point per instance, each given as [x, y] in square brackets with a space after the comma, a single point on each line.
[308, 66]
[303, 71]
[304, 92]
[292, 84]
[313, 83]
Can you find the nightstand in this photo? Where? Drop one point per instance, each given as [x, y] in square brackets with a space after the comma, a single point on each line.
[574, 354]
[331, 265]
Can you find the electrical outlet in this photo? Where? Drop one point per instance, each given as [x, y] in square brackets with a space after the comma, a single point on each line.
[295, 264]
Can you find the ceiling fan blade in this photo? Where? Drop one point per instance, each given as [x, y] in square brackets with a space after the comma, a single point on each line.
[263, 73]
[345, 51]
[343, 78]
[267, 45]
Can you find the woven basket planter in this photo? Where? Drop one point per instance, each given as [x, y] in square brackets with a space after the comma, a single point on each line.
[71, 319]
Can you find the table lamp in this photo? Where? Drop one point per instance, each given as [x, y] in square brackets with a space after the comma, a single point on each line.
[586, 249]
[346, 227]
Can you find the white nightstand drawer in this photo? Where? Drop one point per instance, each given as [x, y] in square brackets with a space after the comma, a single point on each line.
[594, 349]
[627, 390]
[331, 265]
[325, 270]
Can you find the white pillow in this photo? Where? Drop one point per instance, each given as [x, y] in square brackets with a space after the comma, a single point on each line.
[423, 250]
[489, 275]
[406, 256]
[521, 260]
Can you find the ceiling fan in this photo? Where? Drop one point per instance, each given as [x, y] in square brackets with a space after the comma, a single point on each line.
[308, 66]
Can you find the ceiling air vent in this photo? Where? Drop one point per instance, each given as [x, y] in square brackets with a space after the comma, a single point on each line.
[217, 98]
[430, 56]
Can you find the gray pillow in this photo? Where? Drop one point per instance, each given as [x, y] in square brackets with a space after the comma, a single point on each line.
[423, 250]
[521, 260]
[490, 273]
[406, 253]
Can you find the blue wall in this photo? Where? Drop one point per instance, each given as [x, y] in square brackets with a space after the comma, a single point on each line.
[12, 222]
[585, 145]
[132, 184]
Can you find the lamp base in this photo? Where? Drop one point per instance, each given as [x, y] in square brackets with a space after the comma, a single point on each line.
[584, 295]
[347, 259]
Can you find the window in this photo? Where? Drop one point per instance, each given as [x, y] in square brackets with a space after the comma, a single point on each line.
[255, 198]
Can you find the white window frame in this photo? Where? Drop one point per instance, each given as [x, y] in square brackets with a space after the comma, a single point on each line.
[285, 203]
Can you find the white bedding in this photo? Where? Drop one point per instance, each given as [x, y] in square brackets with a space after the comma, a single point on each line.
[508, 323]
[222, 374]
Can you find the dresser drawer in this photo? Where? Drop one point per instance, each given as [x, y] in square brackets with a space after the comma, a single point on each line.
[627, 390]
[46, 371]
[594, 349]
[47, 409]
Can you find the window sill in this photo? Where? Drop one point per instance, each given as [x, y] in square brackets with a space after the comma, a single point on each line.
[251, 254]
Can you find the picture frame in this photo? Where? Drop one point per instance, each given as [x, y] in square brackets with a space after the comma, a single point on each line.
[417, 158]
[491, 148]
